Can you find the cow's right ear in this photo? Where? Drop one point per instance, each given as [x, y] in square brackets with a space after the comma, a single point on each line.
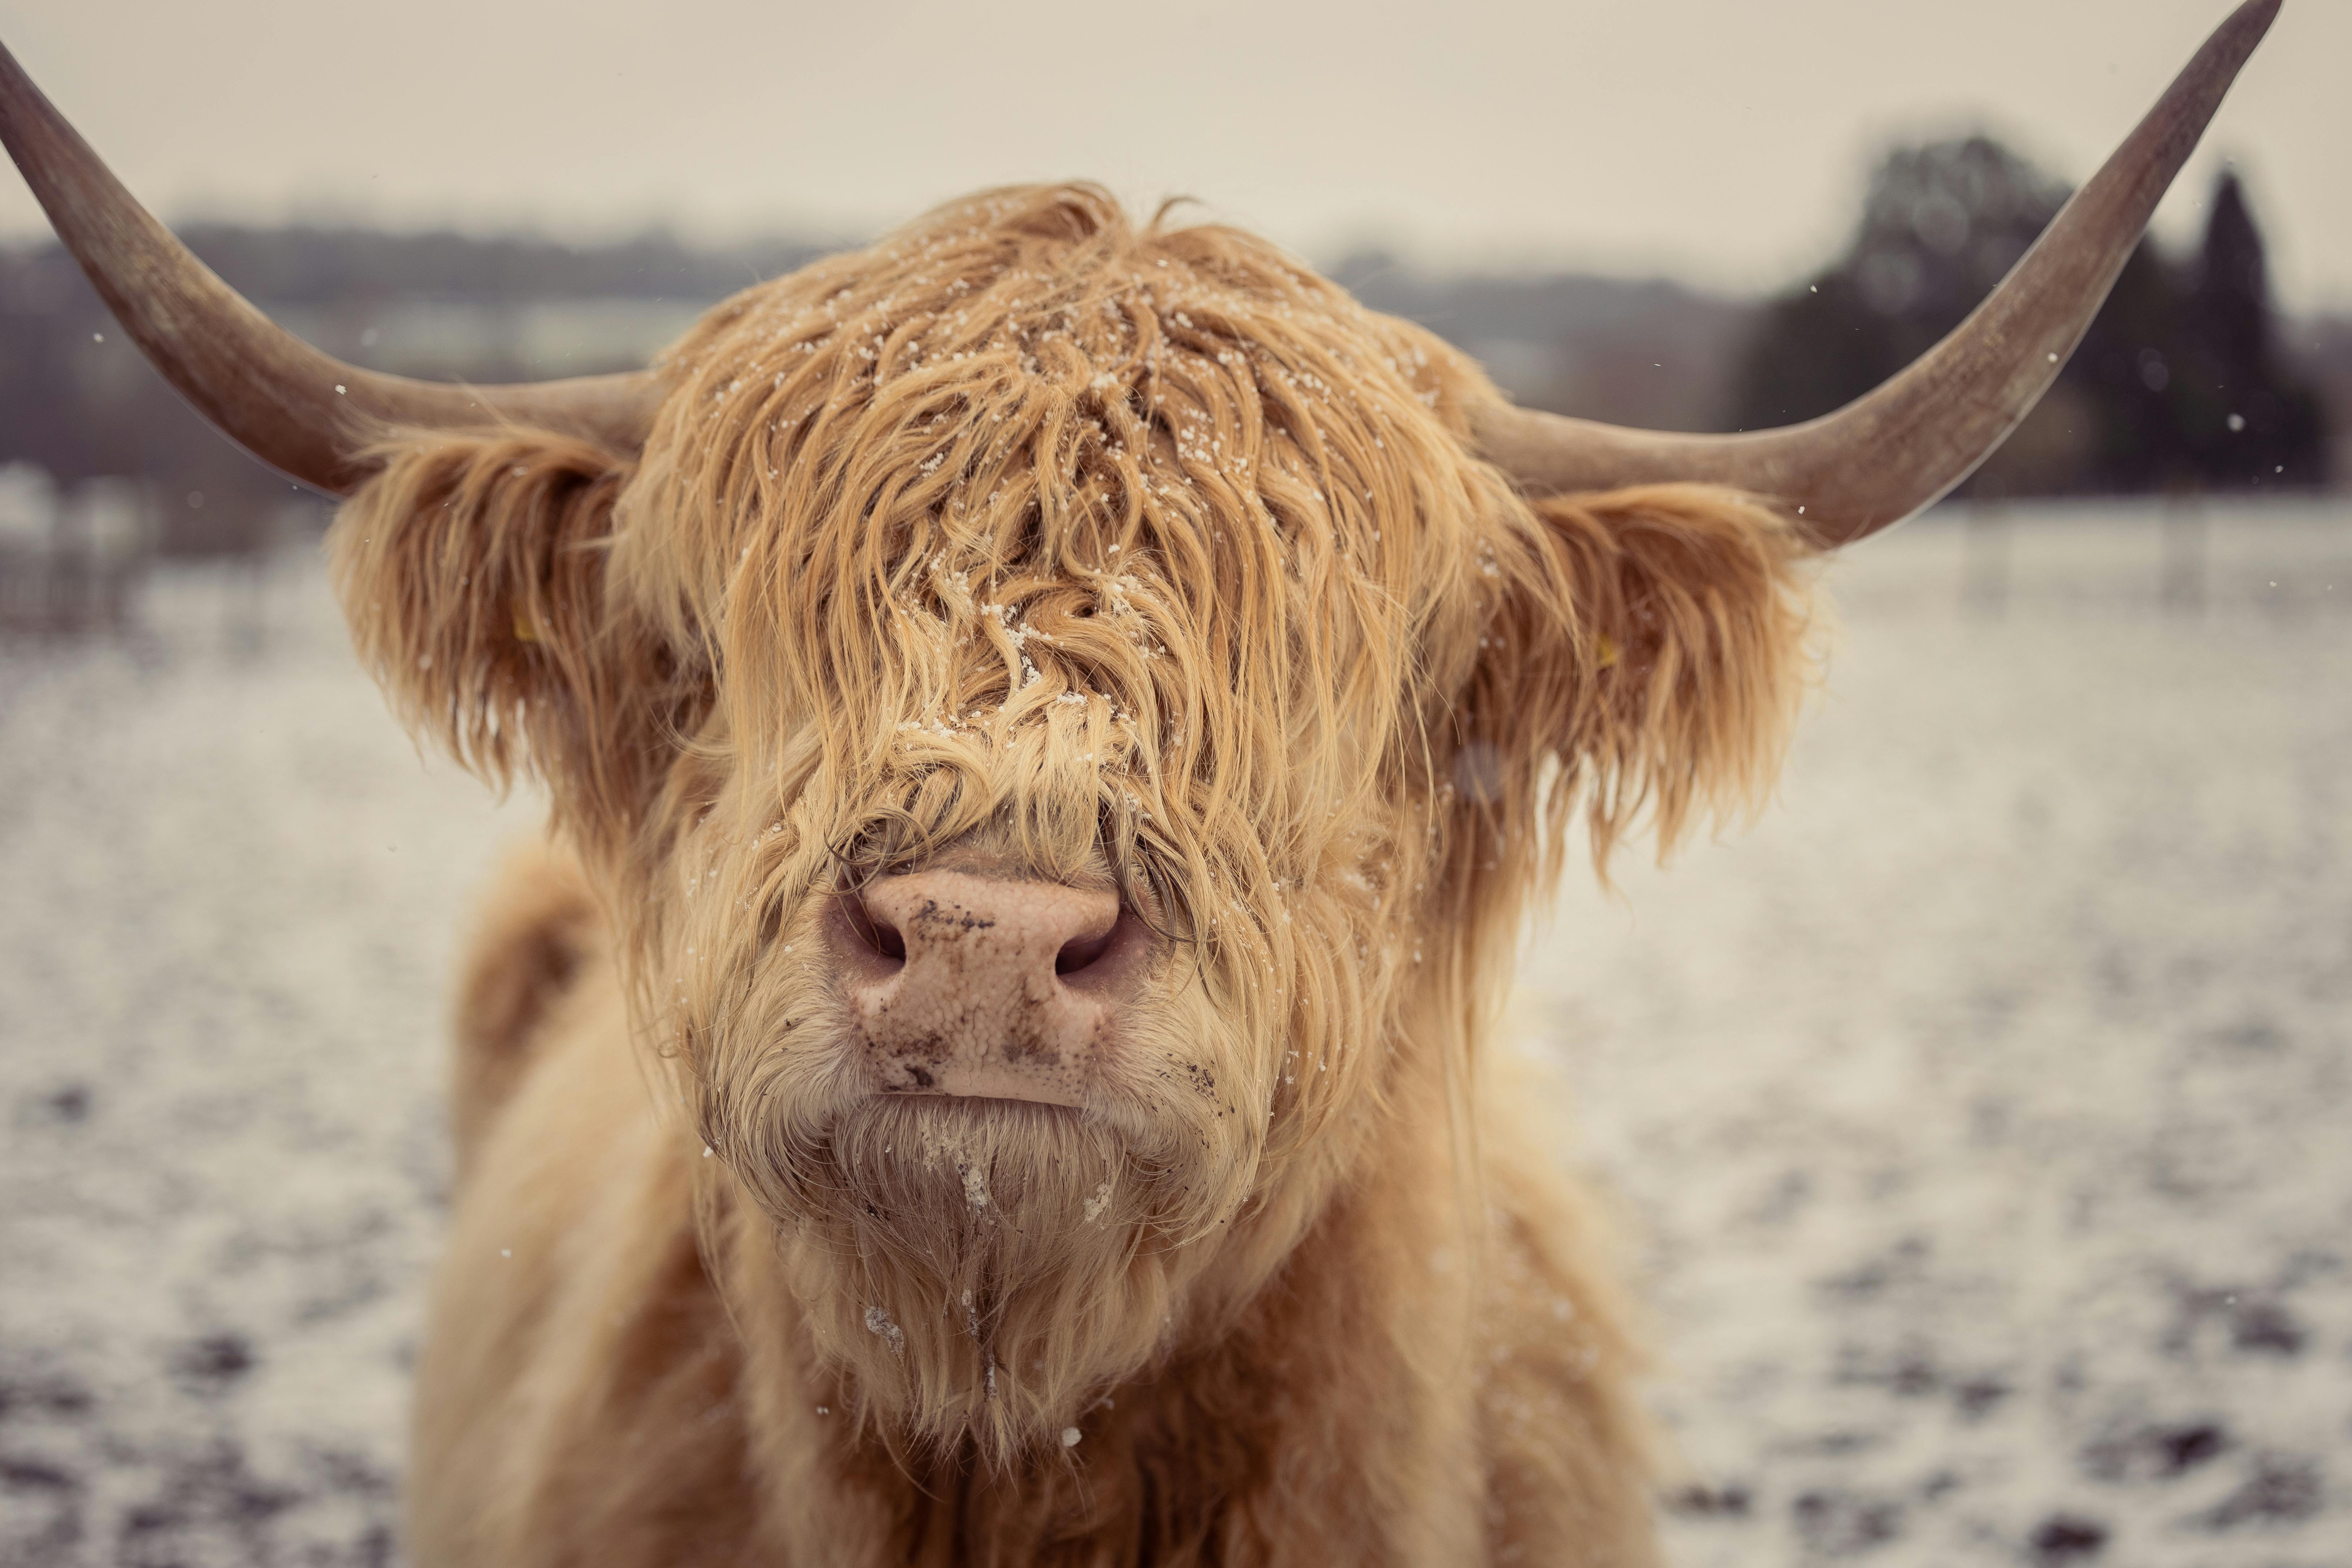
[472, 570]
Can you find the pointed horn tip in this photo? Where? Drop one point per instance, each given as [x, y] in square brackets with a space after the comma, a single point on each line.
[2238, 34]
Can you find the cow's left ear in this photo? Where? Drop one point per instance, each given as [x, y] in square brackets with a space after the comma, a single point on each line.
[1657, 648]
[472, 570]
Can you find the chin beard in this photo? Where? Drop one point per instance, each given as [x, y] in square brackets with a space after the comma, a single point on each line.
[983, 1271]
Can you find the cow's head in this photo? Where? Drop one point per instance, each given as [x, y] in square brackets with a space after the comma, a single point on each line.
[1061, 713]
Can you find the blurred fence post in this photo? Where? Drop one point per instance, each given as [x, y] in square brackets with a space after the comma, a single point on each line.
[2183, 585]
[245, 603]
[71, 563]
[1984, 560]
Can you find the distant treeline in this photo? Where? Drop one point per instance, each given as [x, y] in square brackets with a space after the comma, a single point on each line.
[2186, 382]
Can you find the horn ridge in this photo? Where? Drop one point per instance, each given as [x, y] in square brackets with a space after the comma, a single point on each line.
[303, 412]
[1896, 450]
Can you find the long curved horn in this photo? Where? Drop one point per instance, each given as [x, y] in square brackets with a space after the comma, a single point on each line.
[304, 412]
[1894, 451]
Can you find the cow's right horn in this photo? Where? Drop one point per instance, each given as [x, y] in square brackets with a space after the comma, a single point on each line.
[304, 412]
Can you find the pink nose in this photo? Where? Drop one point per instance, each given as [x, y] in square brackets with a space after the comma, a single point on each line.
[996, 987]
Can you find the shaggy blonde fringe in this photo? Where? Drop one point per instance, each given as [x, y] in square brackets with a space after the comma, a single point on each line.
[1139, 553]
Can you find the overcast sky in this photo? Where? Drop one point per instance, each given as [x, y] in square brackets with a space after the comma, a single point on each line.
[1723, 140]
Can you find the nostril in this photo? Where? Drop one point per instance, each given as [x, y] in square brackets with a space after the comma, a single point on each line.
[874, 930]
[1083, 952]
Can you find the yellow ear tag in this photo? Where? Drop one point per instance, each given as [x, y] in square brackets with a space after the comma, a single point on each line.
[1607, 647]
[525, 628]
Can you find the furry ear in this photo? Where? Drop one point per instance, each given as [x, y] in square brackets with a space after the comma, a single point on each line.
[1664, 641]
[472, 571]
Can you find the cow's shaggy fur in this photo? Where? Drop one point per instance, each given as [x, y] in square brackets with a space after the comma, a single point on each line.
[1138, 557]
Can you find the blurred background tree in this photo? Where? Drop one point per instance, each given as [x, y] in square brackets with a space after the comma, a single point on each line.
[2178, 385]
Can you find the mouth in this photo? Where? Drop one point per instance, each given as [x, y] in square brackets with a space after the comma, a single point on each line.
[1010, 1105]
[989, 1080]
[942, 1113]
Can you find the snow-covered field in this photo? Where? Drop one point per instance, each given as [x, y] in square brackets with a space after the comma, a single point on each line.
[1982, 1112]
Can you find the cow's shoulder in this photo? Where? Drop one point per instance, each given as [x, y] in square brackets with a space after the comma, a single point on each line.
[540, 954]
[1569, 1453]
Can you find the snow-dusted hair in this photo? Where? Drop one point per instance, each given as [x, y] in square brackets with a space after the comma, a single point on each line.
[1136, 550]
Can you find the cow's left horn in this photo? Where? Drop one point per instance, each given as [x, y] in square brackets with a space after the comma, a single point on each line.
[1896, 450]
[304, 412]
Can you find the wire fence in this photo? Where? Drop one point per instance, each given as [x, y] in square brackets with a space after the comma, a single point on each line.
[2185, 558]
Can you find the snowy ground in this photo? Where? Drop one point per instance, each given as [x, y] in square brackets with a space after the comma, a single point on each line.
[1983, 1110]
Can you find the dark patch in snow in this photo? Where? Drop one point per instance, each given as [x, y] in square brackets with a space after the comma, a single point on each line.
[213, 1362]
[40, 1514]
[52, 1394]
[1904, 1263]
[2063, 1539]
[61, 1107]
[1842, 1524]
[209, 1488]
[2252, 1321]
[2155, 1453]
[33, 1475]
[2284, 1488]
[342, 1470]
[1907, 1375]
[1977, 1396]
[1730, 1500]
[2259, 1035]
[2266, 1326]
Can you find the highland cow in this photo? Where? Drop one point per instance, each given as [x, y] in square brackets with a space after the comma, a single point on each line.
[1051, 728]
